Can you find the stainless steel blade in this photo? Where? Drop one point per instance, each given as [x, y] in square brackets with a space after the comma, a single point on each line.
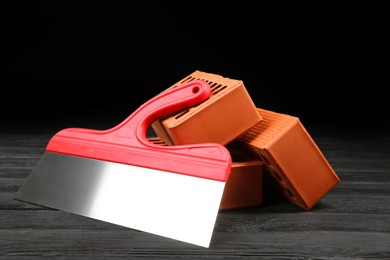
[163, 203]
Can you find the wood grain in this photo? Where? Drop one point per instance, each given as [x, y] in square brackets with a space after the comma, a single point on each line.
[352, 221]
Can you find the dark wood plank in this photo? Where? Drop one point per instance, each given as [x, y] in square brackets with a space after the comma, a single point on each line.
[128, 243]
[252, 221]
[24, 140]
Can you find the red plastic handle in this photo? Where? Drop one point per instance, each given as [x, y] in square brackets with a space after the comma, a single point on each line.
[127, 143]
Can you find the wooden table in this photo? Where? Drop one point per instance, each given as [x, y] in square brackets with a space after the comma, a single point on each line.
[351, 221]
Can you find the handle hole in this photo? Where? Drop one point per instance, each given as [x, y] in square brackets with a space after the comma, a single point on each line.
[195, 90]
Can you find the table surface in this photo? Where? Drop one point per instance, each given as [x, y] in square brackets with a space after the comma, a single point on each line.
[350, 221]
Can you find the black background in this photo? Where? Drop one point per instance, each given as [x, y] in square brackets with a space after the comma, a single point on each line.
[91, 64]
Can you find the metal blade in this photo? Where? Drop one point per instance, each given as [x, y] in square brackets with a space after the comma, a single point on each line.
[163, 203]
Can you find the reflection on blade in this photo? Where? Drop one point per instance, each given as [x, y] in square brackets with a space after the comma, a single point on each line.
[163, 203]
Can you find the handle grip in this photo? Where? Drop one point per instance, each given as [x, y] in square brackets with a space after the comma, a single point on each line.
[127, 143]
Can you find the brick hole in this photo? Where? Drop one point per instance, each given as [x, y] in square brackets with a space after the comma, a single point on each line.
[182, 114]
[217, 89]
[265, 159]
[157, 141]
[289, 193]
[213, 85]
[277, 175]
[161, 143]
[190, 78]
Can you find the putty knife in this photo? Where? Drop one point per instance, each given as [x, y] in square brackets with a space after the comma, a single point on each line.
[118, 176]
